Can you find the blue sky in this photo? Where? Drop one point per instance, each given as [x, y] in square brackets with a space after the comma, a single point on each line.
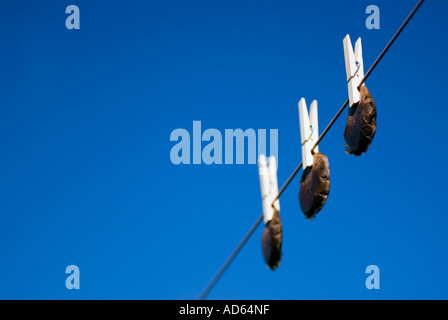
[85, 171]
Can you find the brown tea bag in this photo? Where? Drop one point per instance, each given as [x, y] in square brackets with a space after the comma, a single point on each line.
[314, 186]
[271, 242]
[361, 124]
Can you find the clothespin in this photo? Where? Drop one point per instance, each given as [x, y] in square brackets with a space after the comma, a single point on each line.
[309, 131]
[354, 67]
[269, 186]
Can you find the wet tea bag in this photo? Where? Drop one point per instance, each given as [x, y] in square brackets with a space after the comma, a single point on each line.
[314, 186]
[271, 241]
[361, 124]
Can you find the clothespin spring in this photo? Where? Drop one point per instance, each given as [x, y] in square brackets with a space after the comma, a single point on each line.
[309, 138]
[356, 72]
[311, 134]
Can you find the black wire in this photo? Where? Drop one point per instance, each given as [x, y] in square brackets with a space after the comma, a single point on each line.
[230, 259]
[251, 231]
[287, 183]
[391, 42]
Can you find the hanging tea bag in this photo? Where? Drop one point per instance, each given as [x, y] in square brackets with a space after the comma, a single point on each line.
[271, 242]
[314, 186]
[361, 124]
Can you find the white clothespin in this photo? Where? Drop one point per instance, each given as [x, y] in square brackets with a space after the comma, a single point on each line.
[309, 131]
[354, 67]
[269, 186]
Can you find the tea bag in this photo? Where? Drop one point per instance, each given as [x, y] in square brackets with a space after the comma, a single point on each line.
[314, 186]
[271, 241]
[361, 124]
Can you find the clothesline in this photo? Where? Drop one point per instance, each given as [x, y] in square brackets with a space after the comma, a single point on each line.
[257, 223]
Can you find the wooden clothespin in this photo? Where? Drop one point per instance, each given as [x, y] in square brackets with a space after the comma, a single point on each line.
[361, 120]
[271, 241]
[309, 131]
[354, 67]
[269, 186]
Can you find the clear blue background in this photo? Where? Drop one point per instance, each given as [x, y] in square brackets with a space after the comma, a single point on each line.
[86, 176]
